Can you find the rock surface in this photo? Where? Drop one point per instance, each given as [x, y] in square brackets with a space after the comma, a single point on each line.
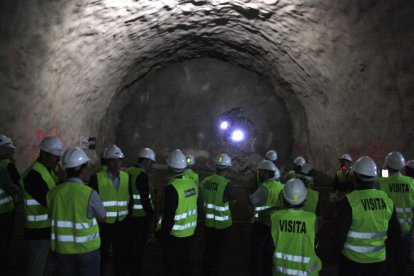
[344, 69]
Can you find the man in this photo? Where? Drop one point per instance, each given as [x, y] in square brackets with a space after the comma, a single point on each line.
[11, 163]
[179, 219]
[36, 182]
[74, 209]
[139, 219]
[188, 172]
[366, 221]
[271, 155]
[112, 186]
[400, 189]
[217, 192]
[8, 189]
[294, 234]
[266, 197]
[409, 168]
[344, 178]
[297, 163]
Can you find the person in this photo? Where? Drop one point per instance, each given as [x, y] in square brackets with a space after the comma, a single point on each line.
[179, 218]
[297, 163]
[366, 224]
[409, 168]
[36, 182]
[74, 209]
[141, 210]
[10, 162]
[294, 234]
[8, 189]
[400, 189]
[188, 172]
[112, 186]
[217, 192]
[344, 178]
[266, 197]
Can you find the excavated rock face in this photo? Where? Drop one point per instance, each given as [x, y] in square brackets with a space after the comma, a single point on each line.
[342, 68]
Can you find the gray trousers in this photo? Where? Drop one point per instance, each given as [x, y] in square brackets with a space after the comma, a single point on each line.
[38, 258]
[86, 264]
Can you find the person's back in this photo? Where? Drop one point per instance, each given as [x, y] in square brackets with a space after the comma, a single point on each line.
[189, 173]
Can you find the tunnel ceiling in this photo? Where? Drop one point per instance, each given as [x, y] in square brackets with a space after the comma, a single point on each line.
[343, 68]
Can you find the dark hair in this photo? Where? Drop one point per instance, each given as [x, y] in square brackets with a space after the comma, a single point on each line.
[141, 159]
[75, 172]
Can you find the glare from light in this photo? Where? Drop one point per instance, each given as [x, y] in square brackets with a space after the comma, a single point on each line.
[224, 125]
[237, 135]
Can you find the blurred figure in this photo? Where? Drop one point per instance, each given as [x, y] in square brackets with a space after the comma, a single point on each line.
[188, 172]
[297, 163]
[344, 178]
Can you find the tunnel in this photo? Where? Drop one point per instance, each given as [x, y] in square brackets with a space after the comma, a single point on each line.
[317, 78]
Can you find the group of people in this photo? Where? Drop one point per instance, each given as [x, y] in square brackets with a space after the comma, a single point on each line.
[86, 224]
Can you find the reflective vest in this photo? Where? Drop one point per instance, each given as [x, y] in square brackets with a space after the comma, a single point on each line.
[6, 201]
[344, 181]
[137, 208]
[189, 173]
[400, 189]
[36, 215]
[115, 202]
[371, 212]
[217, 212]
[293, 233]
[311, 202]
[185, 219]
[72, 232]
[291, 174]
[273, 189]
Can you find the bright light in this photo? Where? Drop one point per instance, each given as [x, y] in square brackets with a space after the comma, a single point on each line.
[237, 135]
[224, 125]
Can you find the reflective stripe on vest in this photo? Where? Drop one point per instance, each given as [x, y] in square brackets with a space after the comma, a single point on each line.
[115, 202]
[70, 224]
[364, 249]
[292, 258]
[217, 212]
[295, 271]
[365, 235]
[37, 215]
[75, 239]
[273, 188]
[137, 208]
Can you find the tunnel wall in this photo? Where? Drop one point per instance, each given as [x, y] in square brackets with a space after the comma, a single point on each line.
[343, 68]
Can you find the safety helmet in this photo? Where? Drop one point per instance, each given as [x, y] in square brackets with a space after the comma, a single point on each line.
[4, 140]
[394, 160]
[52, 145]
[365, 166]
[299, 161]
[113, 152]
[410, 164]
[294, 191]
[346, 156]
[176, 160]
[74, 157]
[269, 166]
[146, 153]
[271, 155]
[190, 160]
[223, 160]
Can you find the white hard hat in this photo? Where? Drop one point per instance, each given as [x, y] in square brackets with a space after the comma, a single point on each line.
[52, 145]
[147, 153]
[190, 160]
[113, 152]
[299, 161]
[365, 166]
[223, 160]
[394, 160]
[4, 140]
[271, 155]
[410, 164]
[269, 166]
[346, 156]
[74, 157]
[295, 191]
[176, 160]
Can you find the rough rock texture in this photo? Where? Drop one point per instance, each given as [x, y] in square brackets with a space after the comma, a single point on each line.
[343, 68]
